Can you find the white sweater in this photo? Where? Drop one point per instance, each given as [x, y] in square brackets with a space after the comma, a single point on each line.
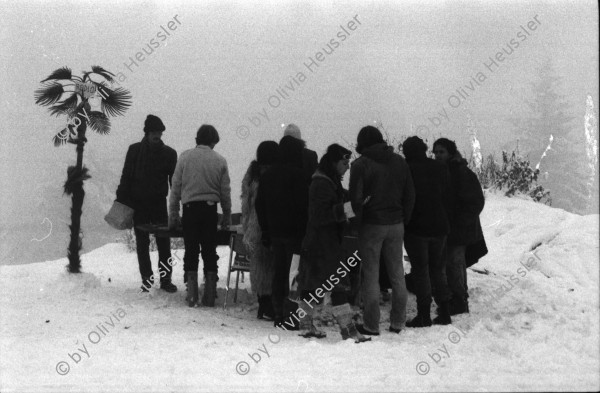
[201, 174]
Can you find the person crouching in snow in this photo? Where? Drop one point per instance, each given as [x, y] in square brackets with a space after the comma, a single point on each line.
[465, 228]
[144, 186]
[322, 250]
[261, 258]
[201, 181]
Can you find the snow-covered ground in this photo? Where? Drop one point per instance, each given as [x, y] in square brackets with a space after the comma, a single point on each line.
[538, 333]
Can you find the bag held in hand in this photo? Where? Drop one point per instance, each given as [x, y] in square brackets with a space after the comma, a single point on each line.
[120, 216]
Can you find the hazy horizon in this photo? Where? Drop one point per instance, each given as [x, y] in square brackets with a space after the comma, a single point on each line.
[225, 60]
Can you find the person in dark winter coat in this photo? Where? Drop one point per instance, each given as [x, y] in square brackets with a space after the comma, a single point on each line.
[320, 268]
[384, 177]
[200, 182]
[282, 210]
[145, 181]
[261, 258]
[426, 233]
[465, 228]
[310, 159]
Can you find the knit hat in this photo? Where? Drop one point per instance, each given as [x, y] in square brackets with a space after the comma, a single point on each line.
[153, 123]
[414, 147]
[292, 130]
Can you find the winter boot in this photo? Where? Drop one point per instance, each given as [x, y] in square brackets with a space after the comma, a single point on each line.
[265, 308]
[192, 288]
[343, 315]
[423, 318]
[458, 306]
[147, 283]
[307, 328]
[167, 286]
[210, 289]
[443, 317]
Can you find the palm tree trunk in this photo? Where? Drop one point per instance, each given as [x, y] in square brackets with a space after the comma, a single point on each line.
[76, 209]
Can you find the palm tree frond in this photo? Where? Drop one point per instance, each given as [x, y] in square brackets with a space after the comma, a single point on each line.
[106, 74]
[99, 122]
[61, 73]
[49, 95]
[65, 107]
[61, 137]
[115, 102]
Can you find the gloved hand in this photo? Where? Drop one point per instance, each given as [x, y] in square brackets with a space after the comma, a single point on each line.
[266, 239]
[174, 222]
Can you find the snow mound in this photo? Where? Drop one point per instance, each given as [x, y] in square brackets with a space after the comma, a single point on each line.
[533, 325]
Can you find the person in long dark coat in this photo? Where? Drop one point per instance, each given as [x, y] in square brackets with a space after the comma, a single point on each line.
[320, 268]
[465, 228]
[426, 233]
[310, 159]
[261, 258]
[282, 210]
[144, 185]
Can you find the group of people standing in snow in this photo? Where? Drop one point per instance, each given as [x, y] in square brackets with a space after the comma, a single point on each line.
[295, 204]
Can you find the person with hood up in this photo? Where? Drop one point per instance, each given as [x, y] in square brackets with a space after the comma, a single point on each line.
[145, 181]
[426, 233]
[310, 159]
[465, 228]
[384, 177]
[322, 248]
[261, 258]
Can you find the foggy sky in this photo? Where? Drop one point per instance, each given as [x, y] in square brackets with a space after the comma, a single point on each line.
[225, 61]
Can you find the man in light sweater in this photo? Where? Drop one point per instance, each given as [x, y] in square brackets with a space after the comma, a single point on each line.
[200, 182]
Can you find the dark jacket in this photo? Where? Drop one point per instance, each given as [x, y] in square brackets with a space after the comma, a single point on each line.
[310, 162]
[385, 177]
[282, 202]
[322, 250]
[432, 188]
[467, 203]
[134, 189]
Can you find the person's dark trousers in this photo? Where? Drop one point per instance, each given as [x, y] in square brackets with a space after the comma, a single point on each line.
[384, 278]
[199, 222]
[152, 212]
[283, 249]
[456, 269]
[428, 268]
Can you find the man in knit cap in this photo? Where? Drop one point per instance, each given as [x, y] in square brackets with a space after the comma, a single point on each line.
[145, 181]
[310, 160]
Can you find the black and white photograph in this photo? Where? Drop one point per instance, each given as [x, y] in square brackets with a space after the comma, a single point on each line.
[299, 196]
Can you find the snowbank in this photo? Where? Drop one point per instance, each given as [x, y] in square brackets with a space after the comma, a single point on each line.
[534, 325]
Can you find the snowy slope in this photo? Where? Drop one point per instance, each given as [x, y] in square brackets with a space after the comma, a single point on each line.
[534, 325]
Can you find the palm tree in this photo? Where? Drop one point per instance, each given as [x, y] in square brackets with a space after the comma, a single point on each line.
[71, 95]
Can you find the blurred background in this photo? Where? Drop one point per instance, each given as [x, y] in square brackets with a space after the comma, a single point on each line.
[225, 59]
